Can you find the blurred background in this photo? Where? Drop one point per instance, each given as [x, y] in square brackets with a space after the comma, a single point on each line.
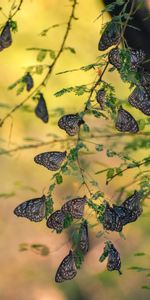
[26, 274]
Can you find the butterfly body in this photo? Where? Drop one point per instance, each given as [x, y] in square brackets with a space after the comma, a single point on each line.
[140, 100]
[51, 160]
[84, 239]
[33, 209]
[75, 207]
[125, 122]
[70, 123]
[28, 81]
[114, 261]
[41, 109]
[67, 269]
[56, 221]
[5, 37]
[110, 36]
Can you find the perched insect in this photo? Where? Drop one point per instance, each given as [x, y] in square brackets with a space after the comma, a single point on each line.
[41, 109]
[123, 214]
[125, 121]
[133, 205]
[110, 36]
[70, 123]
[50, 160]
[133, 58]
[145, 81]
[83, 244]
[56, 221]
[140, 100]
[33, 209]
[28, 81]
[75, 207]
[100, 98]
[5, 37]
[111, 220]
[114, 261]
[67, 269]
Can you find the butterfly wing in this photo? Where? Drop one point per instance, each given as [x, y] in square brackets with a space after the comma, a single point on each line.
[75, 207]
[84, 237]
[109, 37]
[133, 205]
[140, 100]
[111, 220]
[29, 81]
[125, 122]
[67, 269]
[41, 109]
[70, 123]
[114, 261]
[6, 38]
[33, 209]
[51, 160]
[114, 58]
[56, 221]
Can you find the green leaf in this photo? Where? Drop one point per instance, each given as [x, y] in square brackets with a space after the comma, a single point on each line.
[110, 153]
[139, 269]
[147, 287]
[139, 254]
[59, 178]
[86, 128]
[52, 54]
[72, 50]
[110, 173]
[99, 147]
[20, 89]
[39, 69]
[41, 55]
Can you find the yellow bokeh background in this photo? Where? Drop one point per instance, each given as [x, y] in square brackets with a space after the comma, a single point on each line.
[25, 275]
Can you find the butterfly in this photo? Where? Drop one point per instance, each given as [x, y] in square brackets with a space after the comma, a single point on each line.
[145, 81]
[83, 238]
[123, 214]
[110, 36]
[5, 37]
[133, 205]
[33, 209]
[41, 109]
[140, 100]
[28, 81]
[75, 207]
[125, 121]
[70, 123]
[114, 261]
[111, 220]
[67, 269]
[50, 160]
[100, 98]
[133, 58]
[56, 221]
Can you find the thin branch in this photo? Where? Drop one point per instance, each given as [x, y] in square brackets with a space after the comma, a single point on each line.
[50, 67]
[17, 9]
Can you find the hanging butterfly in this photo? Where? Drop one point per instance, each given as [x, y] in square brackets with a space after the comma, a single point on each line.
[75, 207]
[56, 221]
[100, 98]
[133, 205]
[5, 37]
[111, 220]
[123, 214]
[110, 36]
[114, 261]
[114, 58]
[83, 244]
[28, 81]
[136, 58]
[140, 100]
[125, 121]
[145, 81]
[70, 123]
[33, 209]
[41, 109]
[133, 58]
[67, 269]
[51, 160]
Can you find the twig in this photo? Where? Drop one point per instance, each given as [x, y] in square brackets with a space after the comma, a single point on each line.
[17, 9]
[50, 67]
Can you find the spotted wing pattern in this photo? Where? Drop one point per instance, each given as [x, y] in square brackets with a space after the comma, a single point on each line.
[114, 58]
[111, 220]
[133, 205]
[109, 37]
[75, 207]
[56, 221]
[28, 81]
[70, 123]
[67, 269]
[84, 238]
[114, 261]
[33, 209]
[5, 37]
[100, 98]
[125, 121]
[134, 58]
[145, 81]
[41, 109]
[140, 100]
[51, 160]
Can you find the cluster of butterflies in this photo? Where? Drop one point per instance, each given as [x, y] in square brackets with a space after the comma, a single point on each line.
[140, 97]
[5, 36]
[117, 216]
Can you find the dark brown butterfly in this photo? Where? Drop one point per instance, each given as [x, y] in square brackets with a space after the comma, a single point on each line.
[100, 98]
[133, 205]
[145, 81]
[41, 109]
[114, 261]
[83, 244]
[110, 36]
[51, 160]
[140, 100]
[67, 269]
[70, 123]
[123, 214]
[28, 81]
[111, 220]
[134, 58]
[125, 121]
[75, 207]
[33, 209]
[5, 37]
[56, 221]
